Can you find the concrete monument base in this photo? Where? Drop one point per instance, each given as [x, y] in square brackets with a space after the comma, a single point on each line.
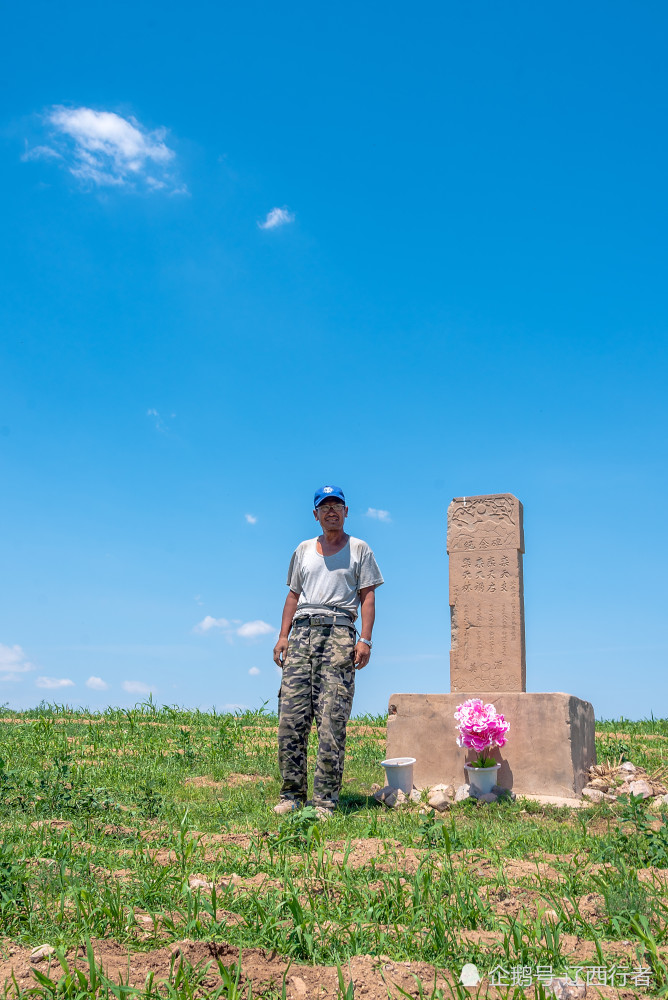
[550, 744]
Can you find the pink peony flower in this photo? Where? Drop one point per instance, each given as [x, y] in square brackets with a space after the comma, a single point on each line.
[480, 728]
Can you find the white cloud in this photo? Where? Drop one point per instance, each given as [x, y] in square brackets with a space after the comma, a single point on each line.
[254, 671]
[251, 518]
[13, 660]
[97, 684]
[54, 682]
[137, 687]
[160, 424]
[379, 515]
[208, 623]
[277, 217]
[245, 630]
[104, 149]
[40, 153]
[251, 630]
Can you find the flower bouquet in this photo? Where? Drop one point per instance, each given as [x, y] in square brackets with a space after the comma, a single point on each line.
[480, 728]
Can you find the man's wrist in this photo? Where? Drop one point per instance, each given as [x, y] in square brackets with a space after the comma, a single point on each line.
[367, 642]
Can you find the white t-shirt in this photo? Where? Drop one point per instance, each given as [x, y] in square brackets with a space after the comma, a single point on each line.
[326, 581]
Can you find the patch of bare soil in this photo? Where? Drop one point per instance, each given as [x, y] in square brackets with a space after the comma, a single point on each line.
[220, 839]
[379, 731]
[123, 874]
[167, 856]
[231, 781]
[654, 876]
[374, 977]
[162, 855]
[116, 830]
[204, 782]
[626, 736]
[53, 824]
[511, 868]
[234, 780]
[264, 730]
[385, 855]
[512, 902]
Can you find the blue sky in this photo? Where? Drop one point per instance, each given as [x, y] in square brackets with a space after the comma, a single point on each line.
[250, 249]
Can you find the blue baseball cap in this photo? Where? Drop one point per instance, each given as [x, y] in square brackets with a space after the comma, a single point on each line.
[328, 493]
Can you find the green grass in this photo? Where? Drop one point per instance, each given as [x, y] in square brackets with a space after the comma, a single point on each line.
[86, 795]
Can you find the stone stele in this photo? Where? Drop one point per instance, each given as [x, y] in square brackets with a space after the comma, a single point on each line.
[551, 740]
[485, 545]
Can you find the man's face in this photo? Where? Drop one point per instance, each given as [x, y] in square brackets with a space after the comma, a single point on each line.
[331, 514]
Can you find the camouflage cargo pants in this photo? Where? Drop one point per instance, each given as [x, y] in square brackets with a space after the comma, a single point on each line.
[318, 681]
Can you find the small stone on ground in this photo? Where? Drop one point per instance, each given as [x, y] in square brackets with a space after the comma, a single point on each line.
[564, 988]
[439, 800]
[286, 806]
[41, 952]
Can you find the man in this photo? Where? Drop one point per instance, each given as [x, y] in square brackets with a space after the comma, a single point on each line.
[330, 578]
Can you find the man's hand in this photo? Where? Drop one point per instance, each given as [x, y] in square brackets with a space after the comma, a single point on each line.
[362, 654]
[280, 650]
[289, 608]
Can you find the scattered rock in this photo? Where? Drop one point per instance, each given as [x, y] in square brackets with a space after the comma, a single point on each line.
[448, 789]
[463, 792]
[551, 916]
[375, 788]
[41, 952]
[196, 882]
[488, 797]
[615, 780]
[641, 787]
[504, 793]
[386, 796]
[593, 794]
[439, 800]
[300, 987]
[416, 795]
[565, 989]
[391, 797]
[600, 783]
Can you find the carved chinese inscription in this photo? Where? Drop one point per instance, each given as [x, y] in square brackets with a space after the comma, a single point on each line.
[485, 545]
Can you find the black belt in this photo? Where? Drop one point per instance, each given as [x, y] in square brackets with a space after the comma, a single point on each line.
[325, 620]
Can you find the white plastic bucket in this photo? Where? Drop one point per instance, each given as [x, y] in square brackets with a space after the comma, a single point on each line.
[399, 771]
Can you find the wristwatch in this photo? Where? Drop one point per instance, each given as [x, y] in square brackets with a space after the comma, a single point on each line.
[368, 642]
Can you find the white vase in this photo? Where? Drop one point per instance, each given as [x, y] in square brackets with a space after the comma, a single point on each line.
[482, 779]
[399, 772]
